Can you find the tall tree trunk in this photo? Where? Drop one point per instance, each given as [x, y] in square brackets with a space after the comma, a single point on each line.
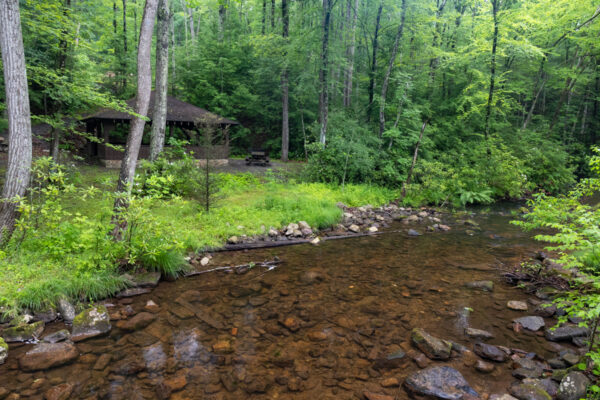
[273, 14]
[136, 131]
[495, 7]
[285, 125]
[124, 59]
[324, 99]
[565, 94]
[222, 15]
[173, 60]
[264, 15]
[352, 17]
[414, 160]
[17, 110]
[386, 79]
[159, 115]
[190, 12]
[135, 22]
[374, 62]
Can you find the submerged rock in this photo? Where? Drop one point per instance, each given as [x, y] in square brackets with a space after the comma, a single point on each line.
[140, 321]
[412, 232]
[3, 351]
[478, 333]
[532, 323]
[517, 305]
[490, 352]
[573, 386]
[23, 332]
[60, 392]
[92, 322]
[434, 348]
[439, 382]
[486, 286]
[567, 332]
[58, 336]
[48, 355]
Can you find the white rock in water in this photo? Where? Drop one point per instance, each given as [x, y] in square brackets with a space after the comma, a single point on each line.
[517, 305]
[373, 229]
[354, 228]
[204, 261]
[315, 241]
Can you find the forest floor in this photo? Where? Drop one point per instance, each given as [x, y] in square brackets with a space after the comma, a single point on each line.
[59, 255]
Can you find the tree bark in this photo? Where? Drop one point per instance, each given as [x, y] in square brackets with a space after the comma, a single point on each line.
[191, 17]
[285, 126]
[569, 84]
[273, 14]
[352, 16]
[386, 79]
[374, 62]
[173, 60]
[264, 16]
[124, 60]
[495, 7]
[17, 110]
[136, 131]
[159, 115]
[324, 99]
[414, 160]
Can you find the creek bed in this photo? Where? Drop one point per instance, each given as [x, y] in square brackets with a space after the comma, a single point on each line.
[314, 327]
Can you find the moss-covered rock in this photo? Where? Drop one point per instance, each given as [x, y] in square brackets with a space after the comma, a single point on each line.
[91, 322]
[434, 348]
[3, 351]
[23, 332]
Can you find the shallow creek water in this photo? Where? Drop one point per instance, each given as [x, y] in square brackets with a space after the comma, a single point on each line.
[359, 303]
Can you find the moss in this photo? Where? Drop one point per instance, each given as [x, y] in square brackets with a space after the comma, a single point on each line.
[23, 332]
[90, 316]
[3, 346]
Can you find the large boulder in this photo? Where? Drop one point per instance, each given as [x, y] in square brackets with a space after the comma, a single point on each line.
[434, 348]
[92, 322]
[526, 391]
[573, 386]
[23, 332]
[48, 355]
[3, 351]
[532, 323]
[490, 352]
[566, 332]
[440, 382]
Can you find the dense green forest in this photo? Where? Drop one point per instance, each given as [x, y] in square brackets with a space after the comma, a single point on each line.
[505, 92]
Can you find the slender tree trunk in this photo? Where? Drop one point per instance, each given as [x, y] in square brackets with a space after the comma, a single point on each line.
[159, 115]
[264, 15]
[136, 131]
[173, 59]
[222, 15]
[352, 17]
[17, 111]
[414, 160]
[285, 126]
[135, 30]
[565, 94]
[124, 59]
[272, 14]
[324, 100]
[190, 13]
[374, 62]
[386, 79]
[495, 7]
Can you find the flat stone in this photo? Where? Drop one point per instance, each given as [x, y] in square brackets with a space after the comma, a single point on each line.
[532, 323]
[440, 382]
[573, 386]
[317, 336]
[131, 292]
[23, 332]
[390, 382]
[392, 360]
[413, 232]
[354, 228]
[490, 352]
[92, 322]
[146, 280]
[377, 396]
[571, 358]
[60, 392]
[563, 333]
[484, 367]
[102, 362]
[434, 348]
[47, 315]
[486, 286]
[478, 334]
[48, 355]
[57, 336]
[524, 391]
[139, 321]
[517, 305]
[545, 310]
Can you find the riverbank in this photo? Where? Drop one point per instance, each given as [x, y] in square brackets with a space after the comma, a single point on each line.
[68, 254]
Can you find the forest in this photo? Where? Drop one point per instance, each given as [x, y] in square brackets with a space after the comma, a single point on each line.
[273, 192]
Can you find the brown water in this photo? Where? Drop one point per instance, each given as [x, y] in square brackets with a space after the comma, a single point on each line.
[368, 294]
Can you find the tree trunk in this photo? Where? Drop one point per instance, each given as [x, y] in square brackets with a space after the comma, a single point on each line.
[374, 62]
[569, 84]
[190, 12]
[136, 131]
[285, 126]
[17, 111]
[324, 100]
[386, 80]
[352, 16]
[124, 59]
[273, 14]
[495, 6]
[135, 22]
[173, 60]
[264, 16]
[414, 160]
[159, 115]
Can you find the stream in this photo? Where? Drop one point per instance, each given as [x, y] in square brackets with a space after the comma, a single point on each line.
[314, 327]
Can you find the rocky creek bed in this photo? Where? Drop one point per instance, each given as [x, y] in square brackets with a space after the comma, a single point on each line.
[422, 310]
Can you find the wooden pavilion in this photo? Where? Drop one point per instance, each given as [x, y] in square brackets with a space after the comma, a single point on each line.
[109, 126]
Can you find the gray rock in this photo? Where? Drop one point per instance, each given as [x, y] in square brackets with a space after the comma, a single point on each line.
[66, 310]
[517, 305]
[486, 286]
[570, 358]
[47, 315]
[3, 351]
[478, 334]
[57, 336]
[484, 367]
[90, 323]
[440, 382]
[23, 332]
[532, 323]
[354, 228]
[573, 386]
[434, 348]
[412, 232]
[392, 360]
[557, 363]
[131, 292]
[146, 280]
[524, 391]
[48, 355]
[502, 397]
[303, 225]
[490, 352]
[545, 310]
[567, 332]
